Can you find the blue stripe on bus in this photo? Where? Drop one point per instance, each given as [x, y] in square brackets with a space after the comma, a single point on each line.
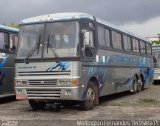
[3, 72]
[100, 72]
[147, 73]
[4, 61]
[104, 74]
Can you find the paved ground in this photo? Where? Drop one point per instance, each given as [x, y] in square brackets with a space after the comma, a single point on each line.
[124, 106]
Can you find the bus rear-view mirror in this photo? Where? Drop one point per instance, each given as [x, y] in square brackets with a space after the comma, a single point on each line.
[86, 38]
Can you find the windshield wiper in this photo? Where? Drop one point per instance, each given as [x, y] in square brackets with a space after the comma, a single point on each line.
[37, 44]
[52, 50]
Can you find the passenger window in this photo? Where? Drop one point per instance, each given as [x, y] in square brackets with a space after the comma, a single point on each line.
[127, 43]
[135, 45]
[2, 46]
[101, 36]
[142, 47]
[116, 40]
[107, 37]
[4, 40]
[58, 40]
[65, 41]
[148, 46]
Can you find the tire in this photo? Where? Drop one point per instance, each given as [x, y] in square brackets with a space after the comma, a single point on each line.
[92, 97]
[139, 85]
[134, 86]
[37, 105]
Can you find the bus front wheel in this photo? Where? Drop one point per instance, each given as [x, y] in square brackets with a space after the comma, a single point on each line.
[92, 97]
[37, 105]
[140, 85]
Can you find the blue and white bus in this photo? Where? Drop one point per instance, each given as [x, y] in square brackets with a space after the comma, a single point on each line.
[78, 57]
[8, 44]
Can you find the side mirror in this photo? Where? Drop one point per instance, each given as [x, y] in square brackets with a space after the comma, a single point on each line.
[86, 36]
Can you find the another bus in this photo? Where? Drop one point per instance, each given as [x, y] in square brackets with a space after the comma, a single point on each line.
[156, 59]
[78, 57]
[8, 44]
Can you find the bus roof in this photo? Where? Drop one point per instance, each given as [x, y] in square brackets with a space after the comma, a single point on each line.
[72, 16]
[56, 17]
[2, 27]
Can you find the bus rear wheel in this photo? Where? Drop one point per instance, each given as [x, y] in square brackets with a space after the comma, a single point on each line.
[37, 105]
[134, 86]
[92, 97]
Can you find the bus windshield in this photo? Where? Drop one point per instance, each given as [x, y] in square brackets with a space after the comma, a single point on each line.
[63, 38]
[29, 37]
[59, 37]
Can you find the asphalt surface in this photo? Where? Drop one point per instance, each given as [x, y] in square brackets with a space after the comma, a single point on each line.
[122, 106]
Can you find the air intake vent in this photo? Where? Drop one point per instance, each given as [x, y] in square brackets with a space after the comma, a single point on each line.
[43, 94]
[52, 82]
[42, 73]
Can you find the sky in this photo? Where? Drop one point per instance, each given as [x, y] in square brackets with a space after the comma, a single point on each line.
[141, 17]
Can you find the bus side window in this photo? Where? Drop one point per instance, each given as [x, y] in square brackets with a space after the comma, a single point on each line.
[6, 41]
[116, 40]
[127, 43]
[2, 46]
[142, 47]
[135, 43]
[148, 46]
[101, 38]
[107, 38]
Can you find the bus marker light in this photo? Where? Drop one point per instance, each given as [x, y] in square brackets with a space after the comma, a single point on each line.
[74, 82]
[15, 82]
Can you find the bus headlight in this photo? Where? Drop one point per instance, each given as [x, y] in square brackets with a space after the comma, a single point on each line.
[24, 82]
[64, 82]
[21, 83]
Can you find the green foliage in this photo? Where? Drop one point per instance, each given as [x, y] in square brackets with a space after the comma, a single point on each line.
[12, 25]
[155, 42]
[158, 41]
[147, 100]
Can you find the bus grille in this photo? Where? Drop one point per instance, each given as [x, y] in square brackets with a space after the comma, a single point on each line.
[43, 94]
[52, 82]
[39, 73]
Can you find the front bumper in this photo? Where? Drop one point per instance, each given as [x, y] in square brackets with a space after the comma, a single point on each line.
[48, 93]
[156, 76]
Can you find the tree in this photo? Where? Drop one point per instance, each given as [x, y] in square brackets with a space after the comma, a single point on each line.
[157, 41]
[13, 25]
